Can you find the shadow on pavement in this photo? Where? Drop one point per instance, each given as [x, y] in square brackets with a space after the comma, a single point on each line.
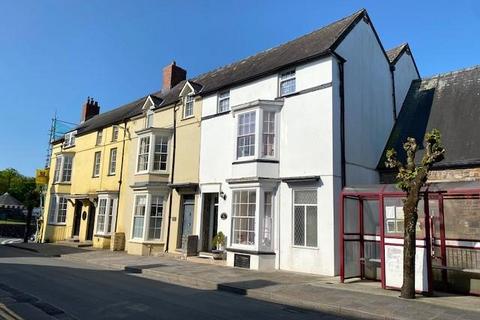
[74, 291]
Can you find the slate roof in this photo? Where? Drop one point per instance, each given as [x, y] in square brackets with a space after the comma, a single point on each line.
[303, 49]
[7, 201]
[449, 102]
[395, 53]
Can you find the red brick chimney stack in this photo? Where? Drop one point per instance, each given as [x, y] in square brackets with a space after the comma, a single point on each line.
[90, 109]
[172, 75]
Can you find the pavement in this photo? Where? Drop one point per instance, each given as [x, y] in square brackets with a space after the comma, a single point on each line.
[308, 293]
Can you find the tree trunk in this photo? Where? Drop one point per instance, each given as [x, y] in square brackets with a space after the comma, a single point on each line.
[28, 218]
[409, 246]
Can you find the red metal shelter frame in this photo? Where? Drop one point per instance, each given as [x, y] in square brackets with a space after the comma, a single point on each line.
[433, 240]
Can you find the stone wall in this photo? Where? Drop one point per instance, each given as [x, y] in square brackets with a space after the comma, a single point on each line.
[447, 175]
[455, 175]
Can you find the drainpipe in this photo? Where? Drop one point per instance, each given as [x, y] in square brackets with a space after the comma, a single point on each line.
[172, 175]
[394, 98]
[341, 63]
[121, 172]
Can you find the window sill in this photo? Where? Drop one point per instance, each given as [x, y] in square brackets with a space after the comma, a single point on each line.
[62, 183]
[305, 247]
[57, 224]
[111, 174]
[96, 176]
[159, 173]
[264, 160]
[101, 235]
[189, 117]
[139, 241]
[68, 147]
[286, 95]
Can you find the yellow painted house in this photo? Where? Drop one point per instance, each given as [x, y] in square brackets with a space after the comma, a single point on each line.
[128, 178]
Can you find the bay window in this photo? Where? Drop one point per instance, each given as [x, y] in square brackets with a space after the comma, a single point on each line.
[58, 209]
[243, 215]
[268, 133]
[160, 154]
[305, 226]
[257, 132]
[148, 217]
[246, 134]
[107, 205]
[252, 218]
[152, 156]
[63, 168]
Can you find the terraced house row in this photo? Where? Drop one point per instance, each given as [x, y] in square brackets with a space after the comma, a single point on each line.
[258, 150]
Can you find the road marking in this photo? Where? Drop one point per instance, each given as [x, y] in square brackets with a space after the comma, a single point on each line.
[10, 241]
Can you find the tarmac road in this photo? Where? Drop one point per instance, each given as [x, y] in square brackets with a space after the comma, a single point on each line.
[40, 287]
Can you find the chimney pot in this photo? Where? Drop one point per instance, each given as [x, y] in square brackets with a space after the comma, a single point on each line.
[89, 109]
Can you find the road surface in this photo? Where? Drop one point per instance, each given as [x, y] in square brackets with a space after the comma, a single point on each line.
[39, 287]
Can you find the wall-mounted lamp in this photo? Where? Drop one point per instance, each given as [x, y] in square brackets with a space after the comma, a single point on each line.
[223, 195]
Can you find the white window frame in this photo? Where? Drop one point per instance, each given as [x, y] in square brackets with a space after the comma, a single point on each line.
[115, 133]
[153, 138]
[259, 134]
[59, 171]
[147, 216]
[54, 209]
[112, 162]
[110, 214]
[250, 218]
[189, 99]
[285, 76]
[238, 136]
[149, 119]
[97, 167]
[304, 246]
[69, 139]
[223, 96]
[99, 139]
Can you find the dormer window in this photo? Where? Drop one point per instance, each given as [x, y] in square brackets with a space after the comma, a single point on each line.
[287, 83]
[188, 108]
[69, 140]
[149, 119]
[224, 101]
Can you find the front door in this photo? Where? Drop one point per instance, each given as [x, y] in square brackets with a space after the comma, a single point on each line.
[77, 219]
[209, 219]
[187, 218]
[91, 222]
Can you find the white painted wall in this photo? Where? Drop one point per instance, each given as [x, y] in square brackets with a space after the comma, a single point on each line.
[368, 102]
[405, 73]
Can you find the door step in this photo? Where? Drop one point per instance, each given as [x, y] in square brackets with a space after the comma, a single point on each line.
[212, 255]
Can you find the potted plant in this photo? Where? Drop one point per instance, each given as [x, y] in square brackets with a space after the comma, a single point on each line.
[219, 241]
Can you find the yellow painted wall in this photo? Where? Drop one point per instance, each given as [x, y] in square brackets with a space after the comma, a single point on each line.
[83, 182]
[187, 161]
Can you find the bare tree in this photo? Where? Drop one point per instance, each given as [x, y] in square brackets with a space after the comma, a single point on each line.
[411, 178]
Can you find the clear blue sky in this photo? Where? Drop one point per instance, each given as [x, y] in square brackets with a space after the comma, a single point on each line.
[53, 54]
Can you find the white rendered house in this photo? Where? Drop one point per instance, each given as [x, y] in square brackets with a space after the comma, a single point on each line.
[283, 131]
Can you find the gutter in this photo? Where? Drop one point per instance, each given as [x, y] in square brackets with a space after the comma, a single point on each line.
[172, 175]
[394, 98]
[121, 171]
[341, 63]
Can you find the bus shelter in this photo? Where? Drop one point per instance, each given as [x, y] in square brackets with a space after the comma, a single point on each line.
[448, 236]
